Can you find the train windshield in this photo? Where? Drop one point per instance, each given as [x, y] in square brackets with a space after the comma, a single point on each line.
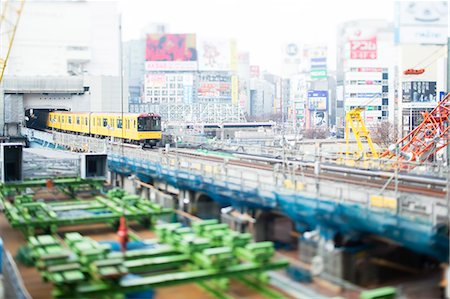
[150, 123]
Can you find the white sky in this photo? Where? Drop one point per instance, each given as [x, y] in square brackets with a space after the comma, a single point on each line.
[260, 27]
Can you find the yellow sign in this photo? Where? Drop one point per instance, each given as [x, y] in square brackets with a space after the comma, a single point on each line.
[234, 90]
[383, 202]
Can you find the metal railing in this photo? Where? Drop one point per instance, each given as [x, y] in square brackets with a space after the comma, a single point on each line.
[13, 285]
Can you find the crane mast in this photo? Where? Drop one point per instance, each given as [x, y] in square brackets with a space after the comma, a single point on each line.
[9, 19]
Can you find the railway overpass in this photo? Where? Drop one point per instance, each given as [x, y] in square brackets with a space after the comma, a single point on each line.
[318, 195]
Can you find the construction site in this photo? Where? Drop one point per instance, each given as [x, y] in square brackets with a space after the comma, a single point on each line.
[168, 190]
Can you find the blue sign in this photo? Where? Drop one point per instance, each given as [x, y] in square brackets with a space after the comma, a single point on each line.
[318, 100]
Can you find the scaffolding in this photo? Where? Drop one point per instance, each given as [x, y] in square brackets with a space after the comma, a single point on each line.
[197, 112]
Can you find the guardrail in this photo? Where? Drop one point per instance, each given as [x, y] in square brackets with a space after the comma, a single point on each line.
[286, 178]
[13, 285]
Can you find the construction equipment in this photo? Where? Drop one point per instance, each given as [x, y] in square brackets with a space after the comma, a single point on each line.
[9, 19]
[355, 123]
[428, 138]
[79, 266]
[32, 216]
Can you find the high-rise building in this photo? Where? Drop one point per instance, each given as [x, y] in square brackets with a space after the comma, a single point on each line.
[66, 38]
[262, 95]
[66, 55]
[134, 68]
[421, 43]
[365, 69]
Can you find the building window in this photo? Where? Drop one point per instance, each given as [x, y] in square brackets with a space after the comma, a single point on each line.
[385, 101]
[384, 113]
[385, 76]
[385, 88]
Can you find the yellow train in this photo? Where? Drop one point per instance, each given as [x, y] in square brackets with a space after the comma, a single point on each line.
[138, 128]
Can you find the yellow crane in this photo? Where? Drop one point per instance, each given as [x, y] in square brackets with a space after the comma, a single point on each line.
[355, 122]
[9, 19]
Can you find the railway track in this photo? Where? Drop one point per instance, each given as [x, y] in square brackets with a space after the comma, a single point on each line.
[335, 176]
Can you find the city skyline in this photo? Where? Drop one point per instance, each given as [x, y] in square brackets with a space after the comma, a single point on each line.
[272, 33]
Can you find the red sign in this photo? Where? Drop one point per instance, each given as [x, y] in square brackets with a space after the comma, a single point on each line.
[214, 89]
[363, 48]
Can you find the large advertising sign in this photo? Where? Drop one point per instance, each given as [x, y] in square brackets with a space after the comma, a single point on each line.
[363, 44]
[318, 62]
[421, 22]
[214, 55]
[319, 118]
[171, 52]
[419, 92]
[214, 89]
[317, 100]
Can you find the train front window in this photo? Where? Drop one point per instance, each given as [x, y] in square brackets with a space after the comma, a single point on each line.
[149, 124]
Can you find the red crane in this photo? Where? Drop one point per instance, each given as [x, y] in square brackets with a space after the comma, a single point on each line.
[427, 138]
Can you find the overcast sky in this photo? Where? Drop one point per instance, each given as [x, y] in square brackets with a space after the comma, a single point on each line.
[260, 27]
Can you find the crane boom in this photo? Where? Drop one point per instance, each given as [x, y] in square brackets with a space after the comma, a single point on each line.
[427, 138]
[9, 19]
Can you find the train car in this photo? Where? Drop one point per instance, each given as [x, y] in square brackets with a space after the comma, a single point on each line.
[138, 128]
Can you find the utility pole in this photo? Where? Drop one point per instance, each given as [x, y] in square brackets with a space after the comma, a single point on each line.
[447, 274]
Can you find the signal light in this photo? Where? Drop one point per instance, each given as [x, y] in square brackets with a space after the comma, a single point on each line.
[414, 71]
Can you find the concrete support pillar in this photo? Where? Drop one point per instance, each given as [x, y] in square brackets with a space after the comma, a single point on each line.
[186, 200]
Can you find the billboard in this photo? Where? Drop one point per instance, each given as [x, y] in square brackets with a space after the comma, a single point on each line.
[419, 92]
[171, 52]
[215, 85]
[214, 55]
[363, 44]
[318, 62]
[317, 100]
[318, 119]
[421, 22]
[254, 71]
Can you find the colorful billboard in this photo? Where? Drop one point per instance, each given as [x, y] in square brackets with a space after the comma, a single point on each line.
[214, 55]
[318, 119]
[421, 22]
[363, 44]
[419, 92]
[171, 52]
[317, 100]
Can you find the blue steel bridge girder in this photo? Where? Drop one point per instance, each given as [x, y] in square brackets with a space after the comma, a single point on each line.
[307, 212]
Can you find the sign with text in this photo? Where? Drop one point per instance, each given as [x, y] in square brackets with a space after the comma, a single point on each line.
[419, 91]
[317, 100]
